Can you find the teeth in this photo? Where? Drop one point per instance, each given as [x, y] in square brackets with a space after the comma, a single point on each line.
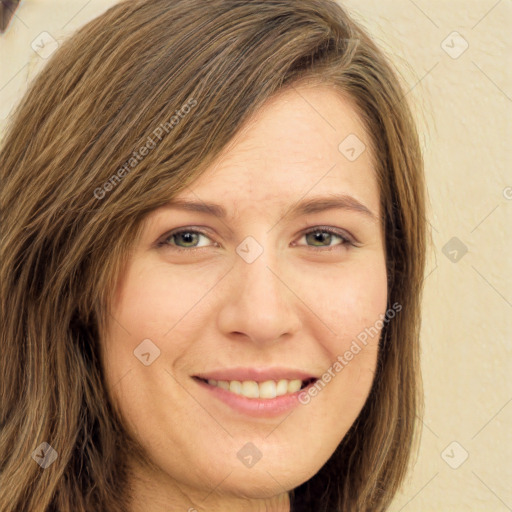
[235, 386]
[294, 385]
[250, 389]
[222, 384]
[282, 387]
[268, 389]
[253, 389]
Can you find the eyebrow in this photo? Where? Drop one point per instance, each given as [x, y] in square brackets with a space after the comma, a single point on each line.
[308, 206]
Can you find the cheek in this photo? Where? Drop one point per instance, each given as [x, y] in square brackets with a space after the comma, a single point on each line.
[349, 301]
[352, 304]
[153, 298]
[153, 301]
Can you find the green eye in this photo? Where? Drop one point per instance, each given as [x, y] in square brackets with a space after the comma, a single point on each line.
[316, 238]
[323, 236]
[188, 237]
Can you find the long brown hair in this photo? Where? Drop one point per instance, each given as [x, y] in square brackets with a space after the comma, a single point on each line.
[185, 74]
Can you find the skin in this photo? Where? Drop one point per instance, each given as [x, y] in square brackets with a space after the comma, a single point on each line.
[298, 305]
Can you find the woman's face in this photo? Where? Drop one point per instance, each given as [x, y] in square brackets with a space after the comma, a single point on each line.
[245, 303]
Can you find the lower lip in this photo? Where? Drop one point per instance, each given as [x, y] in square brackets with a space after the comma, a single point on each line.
[256, 407]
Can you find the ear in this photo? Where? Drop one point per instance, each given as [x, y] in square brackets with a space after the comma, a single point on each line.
[7, 8]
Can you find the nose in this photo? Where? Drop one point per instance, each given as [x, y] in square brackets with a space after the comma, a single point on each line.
[258, 303]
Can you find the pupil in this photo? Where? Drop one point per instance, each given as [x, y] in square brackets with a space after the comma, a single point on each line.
[187, 237]
[320, 236]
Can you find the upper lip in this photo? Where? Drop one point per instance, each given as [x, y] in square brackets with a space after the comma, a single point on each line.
[256, 374]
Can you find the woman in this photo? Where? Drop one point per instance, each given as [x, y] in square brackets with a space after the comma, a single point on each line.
[212, 261]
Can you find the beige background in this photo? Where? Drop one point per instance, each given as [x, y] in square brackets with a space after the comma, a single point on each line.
[463, 101]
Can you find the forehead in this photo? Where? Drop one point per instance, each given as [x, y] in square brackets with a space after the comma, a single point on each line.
[294, 147]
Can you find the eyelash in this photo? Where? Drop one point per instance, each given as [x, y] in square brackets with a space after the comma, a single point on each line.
[346, 240]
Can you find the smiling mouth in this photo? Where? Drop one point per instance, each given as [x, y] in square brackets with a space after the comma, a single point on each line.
[264, 390]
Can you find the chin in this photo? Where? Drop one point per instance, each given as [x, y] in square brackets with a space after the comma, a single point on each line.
[264, 481]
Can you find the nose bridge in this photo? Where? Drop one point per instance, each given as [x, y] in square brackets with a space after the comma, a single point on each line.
[259, 277]
[260, 304]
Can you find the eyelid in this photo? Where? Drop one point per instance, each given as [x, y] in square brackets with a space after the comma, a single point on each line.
[162, 241]
[342, 233]
[347, 238]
